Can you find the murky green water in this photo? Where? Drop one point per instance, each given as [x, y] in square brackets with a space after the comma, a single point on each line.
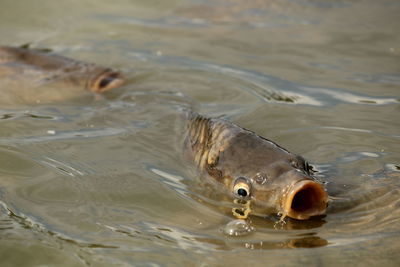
[101, 181]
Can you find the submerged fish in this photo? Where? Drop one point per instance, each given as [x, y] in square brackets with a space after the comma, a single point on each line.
[30, 69]
[257, 172]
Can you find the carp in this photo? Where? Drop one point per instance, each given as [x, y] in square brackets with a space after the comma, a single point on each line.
[256, 172]
[30, 69]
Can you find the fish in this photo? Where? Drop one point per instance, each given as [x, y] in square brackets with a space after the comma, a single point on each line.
[256, 172]
[26, 70]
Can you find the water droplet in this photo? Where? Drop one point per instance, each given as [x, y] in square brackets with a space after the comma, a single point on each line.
[238, 228]
[249, 245]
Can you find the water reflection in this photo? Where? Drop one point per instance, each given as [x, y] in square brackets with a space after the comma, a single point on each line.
[304, 242]
[184, 239]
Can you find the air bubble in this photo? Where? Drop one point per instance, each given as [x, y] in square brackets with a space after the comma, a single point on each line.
[238, 228]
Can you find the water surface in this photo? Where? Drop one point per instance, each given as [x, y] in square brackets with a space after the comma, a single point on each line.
[101, 180]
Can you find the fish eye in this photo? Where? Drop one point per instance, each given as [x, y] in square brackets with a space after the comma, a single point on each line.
[241, 187]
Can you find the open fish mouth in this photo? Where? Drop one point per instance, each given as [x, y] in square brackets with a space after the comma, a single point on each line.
[105, 81]
[305, 199]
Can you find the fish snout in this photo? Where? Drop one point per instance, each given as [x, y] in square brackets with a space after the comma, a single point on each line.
[304, 199]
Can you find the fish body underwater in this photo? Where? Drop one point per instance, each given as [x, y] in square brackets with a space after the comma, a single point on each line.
[27, 74]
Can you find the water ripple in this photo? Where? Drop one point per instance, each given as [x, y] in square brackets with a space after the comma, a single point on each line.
[27, 222]
[17, 114]
[53, 135]
[269, 88]
[63, 167]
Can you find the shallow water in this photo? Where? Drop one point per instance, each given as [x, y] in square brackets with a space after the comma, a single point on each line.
[100, 181]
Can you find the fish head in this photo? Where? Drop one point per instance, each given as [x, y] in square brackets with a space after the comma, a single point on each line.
[257, 170]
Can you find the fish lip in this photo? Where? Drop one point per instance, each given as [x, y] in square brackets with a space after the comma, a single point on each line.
[304, 199]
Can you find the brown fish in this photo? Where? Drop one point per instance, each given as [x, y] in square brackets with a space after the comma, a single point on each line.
[36, 68]
[257, 172]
